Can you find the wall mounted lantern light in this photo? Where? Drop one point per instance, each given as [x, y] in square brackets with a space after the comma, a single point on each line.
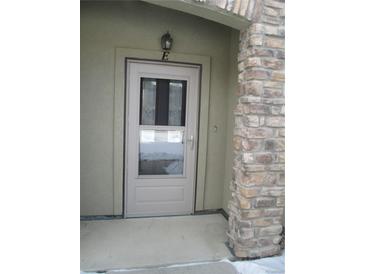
[166, 44]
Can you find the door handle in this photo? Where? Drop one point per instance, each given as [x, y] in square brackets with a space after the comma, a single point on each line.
[191, 141]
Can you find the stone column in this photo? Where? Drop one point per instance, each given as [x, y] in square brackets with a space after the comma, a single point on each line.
[256, 210]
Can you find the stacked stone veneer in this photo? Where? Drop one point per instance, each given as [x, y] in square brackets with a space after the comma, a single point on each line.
[244, 8]
[256, 211]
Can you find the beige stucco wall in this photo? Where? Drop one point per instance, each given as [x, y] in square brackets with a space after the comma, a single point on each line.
[231, 103]
[107, 26]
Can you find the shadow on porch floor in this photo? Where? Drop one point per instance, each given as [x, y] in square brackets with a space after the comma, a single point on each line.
[145, 242]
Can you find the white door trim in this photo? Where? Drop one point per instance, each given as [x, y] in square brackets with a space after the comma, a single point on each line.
[119, 118]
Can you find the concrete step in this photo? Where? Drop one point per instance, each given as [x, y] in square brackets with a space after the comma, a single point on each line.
[206, 268]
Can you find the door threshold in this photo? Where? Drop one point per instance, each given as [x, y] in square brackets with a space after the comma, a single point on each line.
[119, 217]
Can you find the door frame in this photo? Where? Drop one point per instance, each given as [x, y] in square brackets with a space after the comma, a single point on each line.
[122, 55]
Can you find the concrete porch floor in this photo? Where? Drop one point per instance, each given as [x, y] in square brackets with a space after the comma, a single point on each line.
[145, 242]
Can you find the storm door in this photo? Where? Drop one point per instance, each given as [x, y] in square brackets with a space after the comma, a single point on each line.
[161, 143]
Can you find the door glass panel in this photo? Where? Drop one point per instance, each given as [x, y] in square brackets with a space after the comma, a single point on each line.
[175, 102]
[163, 102]
[148, 101]
[161, 152]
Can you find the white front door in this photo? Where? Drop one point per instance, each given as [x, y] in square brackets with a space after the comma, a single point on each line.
[161, 138]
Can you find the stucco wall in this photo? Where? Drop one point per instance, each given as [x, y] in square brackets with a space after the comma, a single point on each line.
[108, 25]
[231, 103]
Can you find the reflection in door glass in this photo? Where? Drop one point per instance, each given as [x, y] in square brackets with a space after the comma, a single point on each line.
[161, 152]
